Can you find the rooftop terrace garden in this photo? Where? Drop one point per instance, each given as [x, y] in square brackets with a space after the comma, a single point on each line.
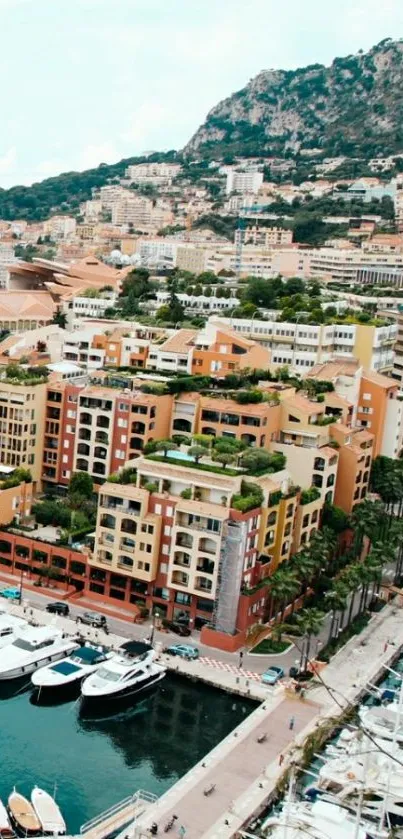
[221, 455]
[15, 478]
[15, 374]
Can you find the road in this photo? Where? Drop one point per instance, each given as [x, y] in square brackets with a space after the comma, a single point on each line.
[251, 662]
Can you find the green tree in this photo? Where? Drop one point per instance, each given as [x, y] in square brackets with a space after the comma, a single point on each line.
[197, 452]
[165, 446]
[310, 622]
[225, 458]
[81, 484]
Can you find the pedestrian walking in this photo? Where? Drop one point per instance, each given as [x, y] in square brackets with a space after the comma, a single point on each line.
[281, 760]
[291, 723]
[240, 659]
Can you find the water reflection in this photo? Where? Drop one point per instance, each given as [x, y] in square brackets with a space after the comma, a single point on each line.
[178, 724]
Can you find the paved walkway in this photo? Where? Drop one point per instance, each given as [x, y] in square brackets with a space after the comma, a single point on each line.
[246, 776]
[233, 766]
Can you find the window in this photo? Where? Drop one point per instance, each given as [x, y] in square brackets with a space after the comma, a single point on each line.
[66, 444]
[65, 458]
[165, 549]
[167, 530]
[169, 511]
[120, 454]
[164, 567]
[71, 414]
[123, 406]
[122, 423]
[158, 509]
[367, 396]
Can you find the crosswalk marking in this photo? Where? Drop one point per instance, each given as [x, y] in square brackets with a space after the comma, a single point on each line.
[230, 668]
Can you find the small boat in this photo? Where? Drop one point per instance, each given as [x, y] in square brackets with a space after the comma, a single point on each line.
[23, 815]
[6, 830]
[129, 672]
[71, 670]
[48, 812]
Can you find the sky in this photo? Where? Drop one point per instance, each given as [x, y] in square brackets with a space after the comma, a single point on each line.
[91, 81]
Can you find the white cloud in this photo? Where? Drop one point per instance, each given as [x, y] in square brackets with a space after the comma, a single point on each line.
[92, 155]
[8, 161]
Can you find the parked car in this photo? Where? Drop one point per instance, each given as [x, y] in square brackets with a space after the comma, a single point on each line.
[93, 619]
[178, 628]
[183, 650]
[12, 593]
[58, 608]
[272, 675]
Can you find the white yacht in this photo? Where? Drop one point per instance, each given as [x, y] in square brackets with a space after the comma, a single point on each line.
[71, 670]
[9, 626]
[321, 820]
[383, 721]
[32, 648]
[130, 671]
[48, 813]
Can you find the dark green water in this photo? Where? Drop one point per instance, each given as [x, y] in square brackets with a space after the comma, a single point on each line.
[97, 761]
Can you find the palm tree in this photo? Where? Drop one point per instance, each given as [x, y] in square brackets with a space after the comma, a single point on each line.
[352, 579]
[337, 600]
[368, 520]
[283, 588]
[310, 622]
[304, 565]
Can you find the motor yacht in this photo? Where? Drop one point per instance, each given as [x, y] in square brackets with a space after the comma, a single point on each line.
[32, 648]
[9, 626]
[131, 671]
[321, 820]
[72, 670]
[48, 813]
[383, 721]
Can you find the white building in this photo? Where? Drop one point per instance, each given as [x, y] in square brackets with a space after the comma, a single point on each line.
[243, 182]
[300, 346]
[155, 251]
[92, 307]
[60, 227]
[200, 303]
[157, 174]
[7, 257]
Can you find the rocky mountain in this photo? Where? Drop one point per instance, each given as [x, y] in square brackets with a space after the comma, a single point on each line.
[354, 108]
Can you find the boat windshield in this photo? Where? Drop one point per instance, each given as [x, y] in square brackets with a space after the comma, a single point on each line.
[108, 675]
[25, 645]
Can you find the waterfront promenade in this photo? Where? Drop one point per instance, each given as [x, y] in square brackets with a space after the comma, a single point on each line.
[245, 777]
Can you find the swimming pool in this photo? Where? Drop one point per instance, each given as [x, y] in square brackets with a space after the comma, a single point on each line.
[180, 455]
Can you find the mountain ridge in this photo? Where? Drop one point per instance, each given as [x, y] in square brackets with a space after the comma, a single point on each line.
[354, 106]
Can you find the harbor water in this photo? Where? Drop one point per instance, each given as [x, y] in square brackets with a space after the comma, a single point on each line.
[95, 761]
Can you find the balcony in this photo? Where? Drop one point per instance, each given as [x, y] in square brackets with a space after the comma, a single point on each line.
[319, 464]
[249, 439]
[208, 546]
[84, 434]
[108, 521]
[198, 523]
[136, 443]
[210, 416]
[181, 558]
[183, 425]
[206, 566]
[100, 453]
[105, 557]
[100, 437]
[252, 421]
[99, 468]
[127, 545]
[50, 443]
[184, 540]
[203, 584]
[230, 419]
[109, 502]
[102, 422]
[125, 562]
[138, 428]
[82, 448]
[129, 526]
[81, 465]
[85, 419]
[179, 578]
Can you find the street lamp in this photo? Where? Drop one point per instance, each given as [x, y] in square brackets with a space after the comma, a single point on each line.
[300, 315]
[251, 322]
